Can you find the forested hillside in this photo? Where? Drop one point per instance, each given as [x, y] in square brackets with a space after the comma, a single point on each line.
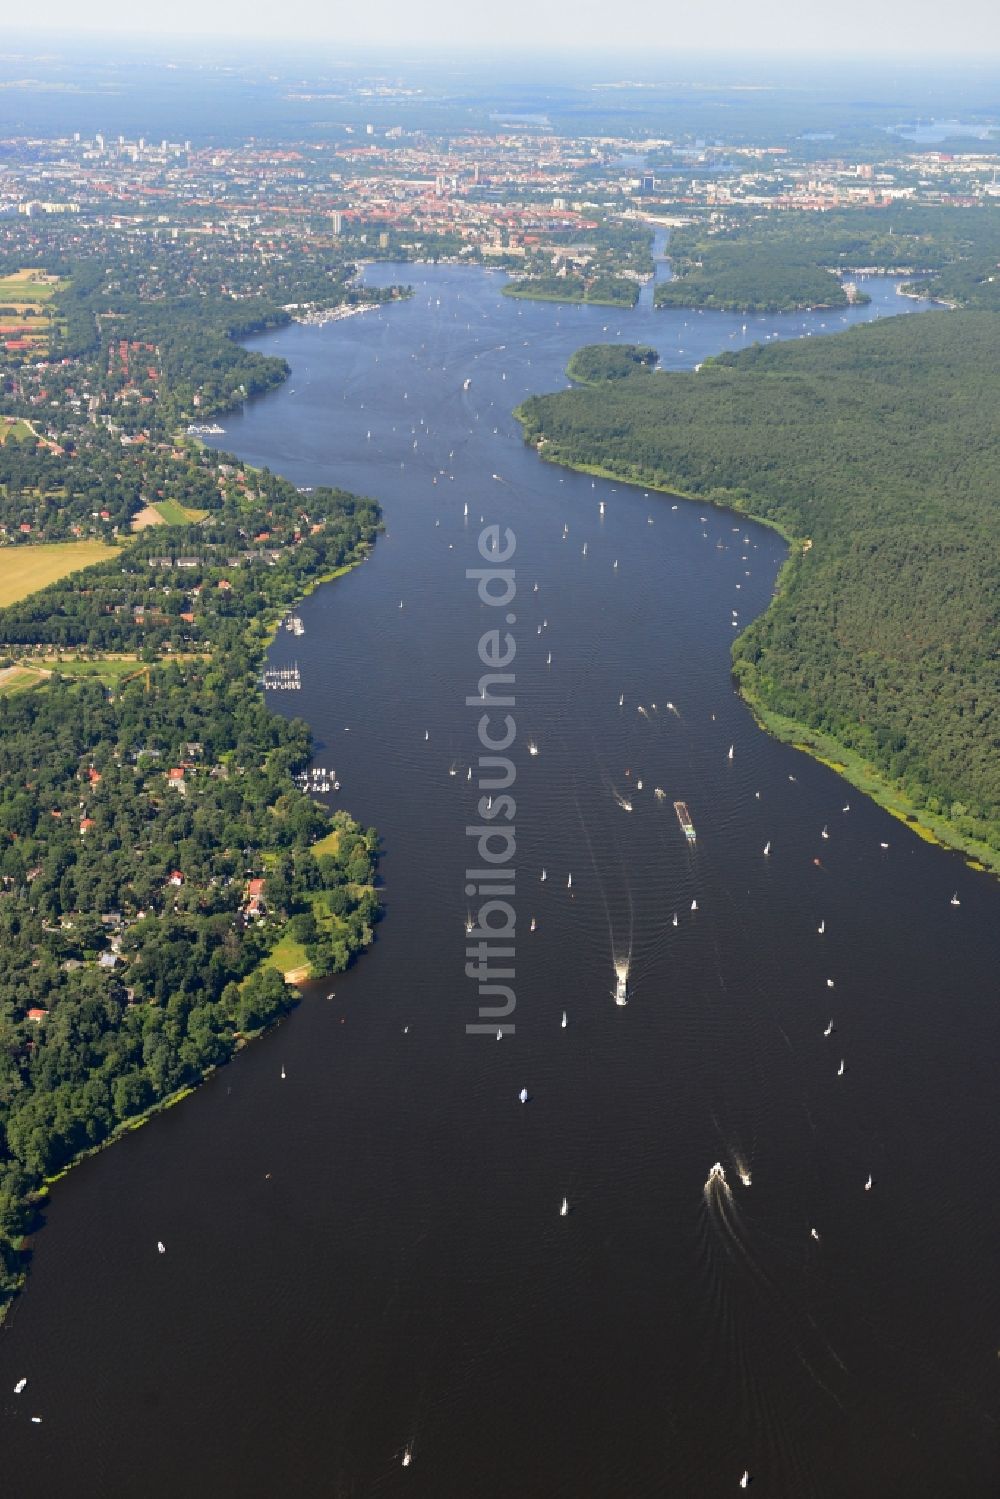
[782, 261]
[881, 447]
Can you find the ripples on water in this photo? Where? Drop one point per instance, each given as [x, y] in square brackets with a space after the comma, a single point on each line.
[368, 1257]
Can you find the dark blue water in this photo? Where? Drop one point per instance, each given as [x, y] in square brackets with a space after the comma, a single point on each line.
[368, 1255]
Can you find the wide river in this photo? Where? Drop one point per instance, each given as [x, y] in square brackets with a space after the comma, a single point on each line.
[366, 1255]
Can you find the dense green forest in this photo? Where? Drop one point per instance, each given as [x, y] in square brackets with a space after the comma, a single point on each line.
[157, 838]
[879, 446]
[743, 276]
[787, 260]
[604, 291]
[596, 362]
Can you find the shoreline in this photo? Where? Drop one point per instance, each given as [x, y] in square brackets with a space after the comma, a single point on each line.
[845, 762]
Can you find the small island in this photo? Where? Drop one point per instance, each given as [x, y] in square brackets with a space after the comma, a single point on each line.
[597, 362]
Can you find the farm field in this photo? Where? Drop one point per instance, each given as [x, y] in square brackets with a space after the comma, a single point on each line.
[25, 569]
[24, 314]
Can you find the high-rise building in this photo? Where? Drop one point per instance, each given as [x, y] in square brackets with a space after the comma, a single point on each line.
[337, 221]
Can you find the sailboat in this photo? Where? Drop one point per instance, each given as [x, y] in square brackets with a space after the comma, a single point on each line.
[564, 1208]
[824, 833]
[601, 508]
[427, 735]
[730, 755]
[500, 1034]
[407, 1457]
[544, 875]
[840, 1069]
[746, 1476]
[674, 922]
[469, 928]
[615, 564]
[868, 1184]
[468, 774]
[829, 983]
[829, 1029]
[767, 849]
[466, 510]
[822, 927]
[814, 1235]
[161, 1248]
[523, 1095]
[569, 882]
[955, 900]
[621, 701]
[694, 905]
[21, 1384]
[585, 549]
[562, 1024]
[532, 927]
[283, 1073]
[548, 659]
[532, 747]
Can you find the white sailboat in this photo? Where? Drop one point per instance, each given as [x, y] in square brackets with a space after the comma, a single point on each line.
[21, 1384]
[868, 1184]
[730, 754]
[840, 1069]
[621, 701]
[694, 905]
[814, 1235]
[532, 747]
[600, 508]
[532, 927]
[744, 1481]
[283, 1074]
[569, 882]
[955, 900]
[500, 1034]
[562, 1024]
[407, 1457]
[544, 875]
[674, 922]
[767, 849]
[829, 1029]
[564, 1208]
[829, 983]
[523, 1095]
[161, 1248]
[548, 659]
[824, 833]
[822, 927]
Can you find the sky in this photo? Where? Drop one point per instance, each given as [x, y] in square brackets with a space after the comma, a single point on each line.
[888, 27]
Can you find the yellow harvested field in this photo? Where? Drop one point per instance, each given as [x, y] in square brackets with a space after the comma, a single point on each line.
[25, 569]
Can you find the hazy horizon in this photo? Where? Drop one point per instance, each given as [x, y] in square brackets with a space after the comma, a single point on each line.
[895, 30]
